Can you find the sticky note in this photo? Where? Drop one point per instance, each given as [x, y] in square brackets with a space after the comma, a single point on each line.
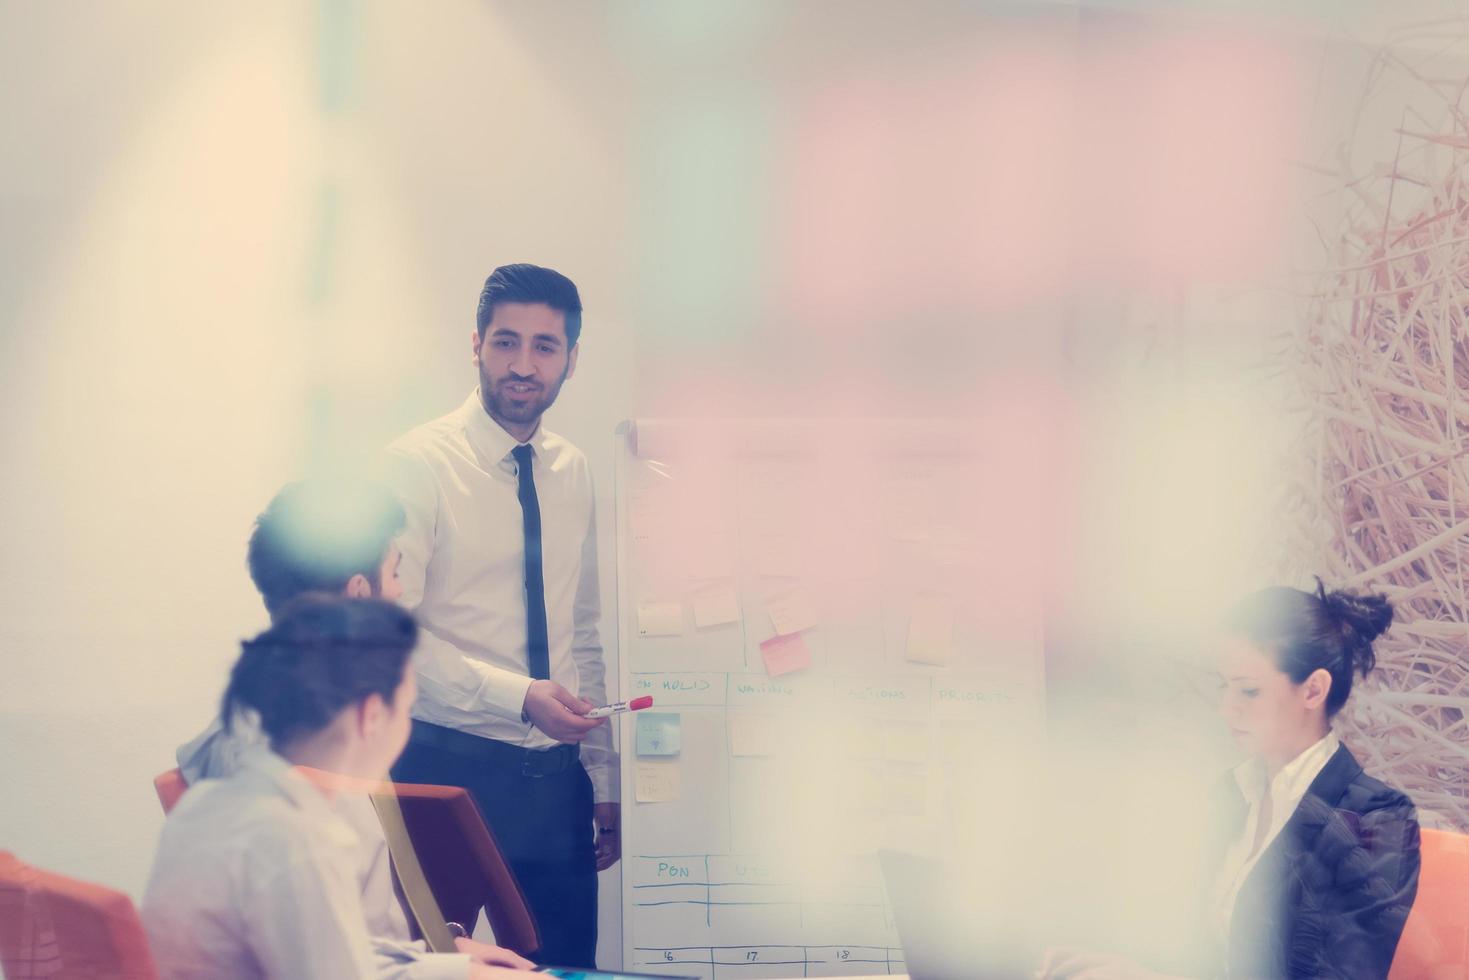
[931, 631]
[791, 612]
[905, 741]
[657, 782]
[658, 733]
[905, 789]
[862, 738]
[752, 734]
[961, 741]
[716, 607]
[660, 619]
[783, 654]
[869, 791]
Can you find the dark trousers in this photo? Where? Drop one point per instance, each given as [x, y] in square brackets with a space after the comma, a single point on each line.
[543, 824]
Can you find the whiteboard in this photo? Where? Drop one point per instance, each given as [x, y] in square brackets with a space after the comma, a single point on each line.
[840, 630]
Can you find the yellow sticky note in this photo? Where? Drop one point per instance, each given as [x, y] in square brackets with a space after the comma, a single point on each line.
[869, 792]
[657, 781]
[862, 739]
[716, 607]
[905, 741]
[931, 631]
[961, 741]
[660, 619]
[752, 734]
[791, 612]
[905, 789]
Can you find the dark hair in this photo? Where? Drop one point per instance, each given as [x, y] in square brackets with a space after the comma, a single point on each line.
[525, 283]
[322, 654]
[316, 534]
[1309, 631]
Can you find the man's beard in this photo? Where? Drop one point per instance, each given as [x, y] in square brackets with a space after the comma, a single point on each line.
[502, 407]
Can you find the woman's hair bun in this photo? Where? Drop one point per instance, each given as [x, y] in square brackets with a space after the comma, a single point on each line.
[1367, 616]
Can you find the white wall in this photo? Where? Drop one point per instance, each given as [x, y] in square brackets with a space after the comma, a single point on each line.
[222, 274]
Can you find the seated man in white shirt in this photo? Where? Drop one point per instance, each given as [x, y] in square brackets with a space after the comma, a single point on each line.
[337, 539]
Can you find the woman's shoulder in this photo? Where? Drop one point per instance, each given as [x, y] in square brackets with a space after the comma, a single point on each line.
[1367, 795]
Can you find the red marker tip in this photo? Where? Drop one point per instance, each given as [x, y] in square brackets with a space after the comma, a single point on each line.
[638, 704]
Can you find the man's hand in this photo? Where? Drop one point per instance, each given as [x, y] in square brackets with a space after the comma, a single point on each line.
[557, 712]
[608, 817]
[492, 955]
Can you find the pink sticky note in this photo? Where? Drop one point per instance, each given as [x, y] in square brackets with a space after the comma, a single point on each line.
[784, 654]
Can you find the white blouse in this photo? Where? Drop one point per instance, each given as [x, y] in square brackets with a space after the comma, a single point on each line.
[218, 753]
[1287, 790]
[256, 877]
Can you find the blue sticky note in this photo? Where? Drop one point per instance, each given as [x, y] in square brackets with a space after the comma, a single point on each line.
[658, 733]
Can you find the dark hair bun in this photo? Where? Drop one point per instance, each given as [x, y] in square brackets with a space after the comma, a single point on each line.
[1369, 615]
[1366, 616]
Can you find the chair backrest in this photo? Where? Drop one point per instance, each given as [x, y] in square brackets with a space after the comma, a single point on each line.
[60, 928]
[1435, 941]
[412, 886]
[463, 863]
[455, 851]
[169, 786]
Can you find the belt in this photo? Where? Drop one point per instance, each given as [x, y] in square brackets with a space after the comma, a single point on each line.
[533, 763]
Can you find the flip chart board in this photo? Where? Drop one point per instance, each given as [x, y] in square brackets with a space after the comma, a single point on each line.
[840, 640]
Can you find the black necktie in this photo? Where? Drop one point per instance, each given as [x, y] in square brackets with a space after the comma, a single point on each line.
[537, 649]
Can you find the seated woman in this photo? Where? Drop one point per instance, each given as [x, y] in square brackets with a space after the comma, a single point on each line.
[255, 875]
[1317, 862]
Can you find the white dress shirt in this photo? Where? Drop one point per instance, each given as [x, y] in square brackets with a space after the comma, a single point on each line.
[1287, 790]
[217, 753]
[463, 572]
[255, 877]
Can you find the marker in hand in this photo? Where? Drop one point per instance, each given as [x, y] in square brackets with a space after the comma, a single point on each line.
[636, 704]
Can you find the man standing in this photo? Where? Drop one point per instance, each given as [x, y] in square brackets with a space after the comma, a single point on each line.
[500, 561]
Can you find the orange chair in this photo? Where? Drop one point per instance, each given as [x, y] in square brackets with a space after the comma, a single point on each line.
[1435, 941]
[63, 929]
[169, 786]
[463, 864]
[456, 852]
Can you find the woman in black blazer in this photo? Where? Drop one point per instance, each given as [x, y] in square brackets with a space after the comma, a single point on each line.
[1316, 863]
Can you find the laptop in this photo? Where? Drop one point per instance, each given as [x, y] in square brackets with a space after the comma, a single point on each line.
[960, 926]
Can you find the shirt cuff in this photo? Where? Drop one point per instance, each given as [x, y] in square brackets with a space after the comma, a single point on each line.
[606, 784]
[504, 691]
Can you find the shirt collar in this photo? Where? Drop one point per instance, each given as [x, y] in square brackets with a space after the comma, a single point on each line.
[1294, 777]
[489, 438]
